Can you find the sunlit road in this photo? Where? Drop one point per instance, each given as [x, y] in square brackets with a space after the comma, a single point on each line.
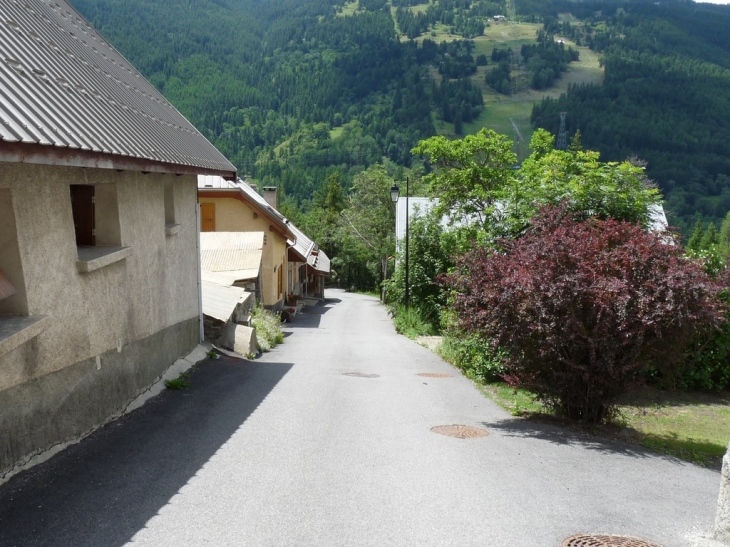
[290, 450]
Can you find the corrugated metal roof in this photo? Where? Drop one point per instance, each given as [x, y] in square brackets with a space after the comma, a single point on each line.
[323, 263]
[63, 85]
[214, 182]
[229, 251]
[220, 302]
[230, 277]
[320, 262]
[303, 246]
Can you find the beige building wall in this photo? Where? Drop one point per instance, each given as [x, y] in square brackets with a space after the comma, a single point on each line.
[233, 215]
[109, 332]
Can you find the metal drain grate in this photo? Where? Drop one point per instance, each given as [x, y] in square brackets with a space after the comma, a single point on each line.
[595, 540]
[460, 431]
[434, 375]
[361, 375]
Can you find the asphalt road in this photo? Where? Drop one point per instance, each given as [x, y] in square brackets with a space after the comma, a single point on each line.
[289, 451]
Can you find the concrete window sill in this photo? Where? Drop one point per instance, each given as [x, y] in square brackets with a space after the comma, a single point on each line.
[17, 330]
[171, 229]
[94, 258]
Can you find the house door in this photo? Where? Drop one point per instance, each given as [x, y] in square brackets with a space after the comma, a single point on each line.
[207, 213]
[82, 209]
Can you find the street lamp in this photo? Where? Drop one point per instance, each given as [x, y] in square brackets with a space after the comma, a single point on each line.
[394, 194]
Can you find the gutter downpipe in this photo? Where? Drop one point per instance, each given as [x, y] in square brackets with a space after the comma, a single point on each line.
[199, 276]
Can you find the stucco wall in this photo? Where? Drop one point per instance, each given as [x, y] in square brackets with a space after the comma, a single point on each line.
[127, 303]
[232, 215]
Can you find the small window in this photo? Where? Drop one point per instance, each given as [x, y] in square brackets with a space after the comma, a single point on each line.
[6, 287]
[207, 213]
[281, 280]
[171, 225]
[169, 203]
[12, 285]
[96, 224]
[82, 207]
[96, 215]
[16, 325]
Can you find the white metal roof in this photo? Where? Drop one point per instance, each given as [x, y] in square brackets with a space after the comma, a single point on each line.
[62, 85]
[220, 302]
[303, 246]
[320, 262]
[420, 206]
[230, 278]
[231, 251]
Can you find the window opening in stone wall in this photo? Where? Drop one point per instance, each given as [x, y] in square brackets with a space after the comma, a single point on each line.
[12, 285]
[169, 203]
[82, 208]
[96, 215]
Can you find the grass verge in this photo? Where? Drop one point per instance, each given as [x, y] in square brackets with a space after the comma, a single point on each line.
[409, 323]
[692, 426]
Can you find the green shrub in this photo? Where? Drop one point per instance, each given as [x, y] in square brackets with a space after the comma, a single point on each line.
[410, 322]
[429, 257]
[707, 363]
[472, 355]
[268, 328]
[582, 306]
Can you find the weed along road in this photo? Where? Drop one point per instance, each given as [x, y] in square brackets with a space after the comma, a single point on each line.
[328, 440]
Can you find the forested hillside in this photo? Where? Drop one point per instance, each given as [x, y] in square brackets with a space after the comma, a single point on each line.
[296, 91]
[665, 99]
[271, 83]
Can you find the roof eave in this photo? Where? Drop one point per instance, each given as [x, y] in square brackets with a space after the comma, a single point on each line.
[41, 154]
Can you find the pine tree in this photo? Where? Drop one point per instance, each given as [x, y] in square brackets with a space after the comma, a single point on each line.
[709, 238]
[696, 238]
[724, 238]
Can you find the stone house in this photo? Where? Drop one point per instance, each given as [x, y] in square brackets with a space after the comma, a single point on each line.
[99, 275]
[228, 206]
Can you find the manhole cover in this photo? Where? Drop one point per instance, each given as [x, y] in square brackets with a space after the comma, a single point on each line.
[434, 375]
[361, 375]
[594, 540]
[460, 431]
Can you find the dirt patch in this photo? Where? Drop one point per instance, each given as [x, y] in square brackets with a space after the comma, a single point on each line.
[430, 342]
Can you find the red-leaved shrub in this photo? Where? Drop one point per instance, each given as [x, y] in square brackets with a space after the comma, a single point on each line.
[580, 307]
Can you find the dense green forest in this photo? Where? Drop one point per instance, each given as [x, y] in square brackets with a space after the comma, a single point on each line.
[665, 99]
[296, 91]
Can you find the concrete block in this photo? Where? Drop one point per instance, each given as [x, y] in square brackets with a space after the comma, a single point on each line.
[245, 340]
[722, 517]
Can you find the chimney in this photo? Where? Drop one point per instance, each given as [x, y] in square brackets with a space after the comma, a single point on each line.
[270, 195]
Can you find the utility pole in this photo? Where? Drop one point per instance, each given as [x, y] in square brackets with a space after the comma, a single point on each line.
[562, 143]
[408, 211]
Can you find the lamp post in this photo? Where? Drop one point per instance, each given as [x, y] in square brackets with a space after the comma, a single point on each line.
[394, 194]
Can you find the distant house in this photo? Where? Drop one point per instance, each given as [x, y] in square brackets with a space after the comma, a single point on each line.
[421, 206]
[98, 230]
[234, 206]
[309, 267]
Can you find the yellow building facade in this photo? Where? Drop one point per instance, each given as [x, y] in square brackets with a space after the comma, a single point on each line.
[236, 207]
